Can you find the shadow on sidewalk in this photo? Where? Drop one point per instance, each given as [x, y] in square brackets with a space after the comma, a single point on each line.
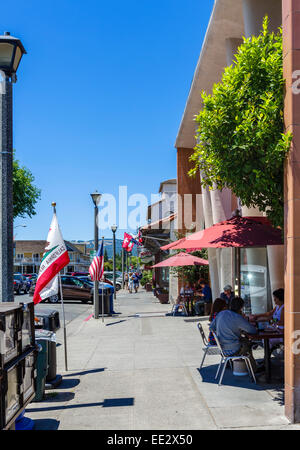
[208, 374]
[108, 403]
[84, 372]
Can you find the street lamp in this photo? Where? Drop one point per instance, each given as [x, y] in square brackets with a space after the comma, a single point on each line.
[114, 229]
[96, 197]
[11, 52]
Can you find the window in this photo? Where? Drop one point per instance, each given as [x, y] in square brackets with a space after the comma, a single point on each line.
[20, 255]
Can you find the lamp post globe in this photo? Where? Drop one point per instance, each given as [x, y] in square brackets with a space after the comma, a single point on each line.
[96, 197]
[11, 52]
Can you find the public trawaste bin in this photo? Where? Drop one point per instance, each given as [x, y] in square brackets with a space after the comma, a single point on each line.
[106, 300]
[41, 366]
[49, 321]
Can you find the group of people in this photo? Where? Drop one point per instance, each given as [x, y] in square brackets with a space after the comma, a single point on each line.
[231, 326]
[202, 296]
[132, 281]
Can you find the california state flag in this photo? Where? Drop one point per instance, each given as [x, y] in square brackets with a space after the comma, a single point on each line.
[55, 258]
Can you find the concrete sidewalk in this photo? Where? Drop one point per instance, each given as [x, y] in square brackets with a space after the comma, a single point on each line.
[140, 370]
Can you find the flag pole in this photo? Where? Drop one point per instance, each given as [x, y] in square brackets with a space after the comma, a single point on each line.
[63, 309]
[64, 322]
[103, 285]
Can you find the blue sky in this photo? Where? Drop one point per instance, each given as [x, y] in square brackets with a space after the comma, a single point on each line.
[99, 99]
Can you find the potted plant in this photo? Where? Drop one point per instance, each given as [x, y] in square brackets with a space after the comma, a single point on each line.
[163, 296]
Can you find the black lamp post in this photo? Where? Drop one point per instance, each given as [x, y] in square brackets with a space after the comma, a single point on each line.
[11, 52]
[96, 197]
[114, 229]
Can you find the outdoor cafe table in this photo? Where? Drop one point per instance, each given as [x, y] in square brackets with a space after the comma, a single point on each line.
[189, 303]
[266, 335]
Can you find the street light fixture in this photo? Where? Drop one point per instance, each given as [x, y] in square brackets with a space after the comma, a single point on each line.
[114, 229]
[96, 197]
[11, 52]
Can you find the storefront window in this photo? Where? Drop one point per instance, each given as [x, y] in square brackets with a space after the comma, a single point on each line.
[255, 285]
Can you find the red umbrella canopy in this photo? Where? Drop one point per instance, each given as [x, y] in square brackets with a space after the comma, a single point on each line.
[235, 232]
[172, 244]
[175, 243]
[182, 259]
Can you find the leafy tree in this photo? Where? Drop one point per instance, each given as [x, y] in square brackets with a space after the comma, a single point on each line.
[105, 256]
[25, 194]
[240, 140]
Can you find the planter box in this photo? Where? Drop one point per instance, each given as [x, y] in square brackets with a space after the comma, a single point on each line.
[148, 287]
[163, 298]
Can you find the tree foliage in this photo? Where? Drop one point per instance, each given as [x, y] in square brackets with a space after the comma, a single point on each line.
[25, 194]
[241, 143]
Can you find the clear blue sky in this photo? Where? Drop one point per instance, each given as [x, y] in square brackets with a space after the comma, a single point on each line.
[99, 99]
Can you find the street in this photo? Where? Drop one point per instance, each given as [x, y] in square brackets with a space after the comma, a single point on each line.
[73, 308]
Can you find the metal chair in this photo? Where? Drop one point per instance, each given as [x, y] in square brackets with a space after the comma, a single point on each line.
[177, 306]
[208, 348]
[225, 359]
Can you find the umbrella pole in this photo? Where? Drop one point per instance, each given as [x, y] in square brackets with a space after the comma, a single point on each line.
[238, 268]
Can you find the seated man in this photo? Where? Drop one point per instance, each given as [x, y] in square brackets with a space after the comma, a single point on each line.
[229, 325]
[227, 294]
[205, 299]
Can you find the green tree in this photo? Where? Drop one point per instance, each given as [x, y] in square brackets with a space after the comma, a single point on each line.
[240, 140]
[25, 194]
[105, 256]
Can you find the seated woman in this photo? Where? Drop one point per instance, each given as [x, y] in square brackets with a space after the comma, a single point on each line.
[275, 316]
[218, 306]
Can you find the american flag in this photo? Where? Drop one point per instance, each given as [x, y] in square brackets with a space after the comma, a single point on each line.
[97, 267]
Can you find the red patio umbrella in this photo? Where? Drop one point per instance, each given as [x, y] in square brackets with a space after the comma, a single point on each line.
[182, 259]
[235, 232]
[172, 244]
[175, 243]
[239, 232]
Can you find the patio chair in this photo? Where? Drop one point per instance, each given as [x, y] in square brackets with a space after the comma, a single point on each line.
[177, 306]
[225, 359]
[208, 348]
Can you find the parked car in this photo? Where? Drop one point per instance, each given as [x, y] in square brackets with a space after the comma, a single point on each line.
[110, 276]
[31, 276]
[74, 288]
[21, 284]
[77, 274]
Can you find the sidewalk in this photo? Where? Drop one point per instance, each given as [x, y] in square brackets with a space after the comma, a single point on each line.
[139, 370]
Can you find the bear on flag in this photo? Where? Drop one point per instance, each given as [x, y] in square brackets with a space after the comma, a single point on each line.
[55, 258]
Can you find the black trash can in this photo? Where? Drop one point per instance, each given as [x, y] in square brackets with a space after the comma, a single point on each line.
[50, 337]
[106, 301]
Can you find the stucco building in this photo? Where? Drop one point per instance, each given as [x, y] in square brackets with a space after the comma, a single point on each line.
[273, 267]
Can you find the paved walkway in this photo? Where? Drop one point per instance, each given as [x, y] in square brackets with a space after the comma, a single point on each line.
[140, 371]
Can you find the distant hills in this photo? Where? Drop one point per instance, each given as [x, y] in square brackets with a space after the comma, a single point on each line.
[108, 246]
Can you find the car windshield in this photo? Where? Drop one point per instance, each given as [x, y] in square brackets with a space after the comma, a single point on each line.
[18, 277]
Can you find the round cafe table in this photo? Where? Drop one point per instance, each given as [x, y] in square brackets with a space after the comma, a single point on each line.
[266, 335]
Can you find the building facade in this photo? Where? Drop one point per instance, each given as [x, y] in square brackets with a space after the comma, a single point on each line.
[273, 267]
[28, 256]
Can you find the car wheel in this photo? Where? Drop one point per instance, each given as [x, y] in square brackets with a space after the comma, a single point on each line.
[118, 287]
[18, 291]
[53, 299]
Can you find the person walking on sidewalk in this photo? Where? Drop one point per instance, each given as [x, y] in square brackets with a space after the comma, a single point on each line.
[136, 282]
[130, 282]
